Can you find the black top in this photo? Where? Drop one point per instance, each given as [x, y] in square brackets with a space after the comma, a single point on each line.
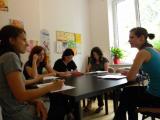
[29, 64]
[61, 67]
[100, 66]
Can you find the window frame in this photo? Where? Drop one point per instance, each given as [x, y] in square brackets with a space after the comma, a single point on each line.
[115, 20]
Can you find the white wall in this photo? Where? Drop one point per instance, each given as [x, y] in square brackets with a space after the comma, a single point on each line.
[87, 17]
[26, 11]
[68, 16]
[100, 26]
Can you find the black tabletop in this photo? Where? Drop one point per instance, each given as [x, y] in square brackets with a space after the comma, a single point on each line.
[90, 85]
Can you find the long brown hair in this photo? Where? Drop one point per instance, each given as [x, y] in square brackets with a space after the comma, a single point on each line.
[6, 33]
[37, 50]
[98, 51]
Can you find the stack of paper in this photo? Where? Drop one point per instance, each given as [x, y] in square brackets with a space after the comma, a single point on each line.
[112, 76]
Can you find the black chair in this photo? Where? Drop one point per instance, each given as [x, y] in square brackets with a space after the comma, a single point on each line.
[149, 112]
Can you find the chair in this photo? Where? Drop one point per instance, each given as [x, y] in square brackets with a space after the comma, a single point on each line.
[149, 112]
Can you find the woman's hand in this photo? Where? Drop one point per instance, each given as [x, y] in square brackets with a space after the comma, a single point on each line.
[124, 73]
[58, 84]
[41, 109]
[39, 78]
[65, 74]
[35, 57]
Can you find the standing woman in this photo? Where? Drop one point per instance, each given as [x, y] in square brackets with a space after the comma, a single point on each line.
[36, 63]
[147, 59]
[18, 103]
[97, 63]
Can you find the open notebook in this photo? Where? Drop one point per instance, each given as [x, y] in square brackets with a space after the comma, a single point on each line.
[65, 87]
[114, 76]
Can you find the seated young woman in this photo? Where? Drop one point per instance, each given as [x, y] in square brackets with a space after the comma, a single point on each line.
[16, 101]
[60, 106]
[96, 63]
[36, 64]
[65, 66]
[146, 59]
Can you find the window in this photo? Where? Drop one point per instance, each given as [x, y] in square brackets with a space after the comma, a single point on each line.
[150, 16]
[131, 13]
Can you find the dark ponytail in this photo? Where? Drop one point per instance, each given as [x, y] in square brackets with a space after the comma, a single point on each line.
[139, 31]
[151, 36]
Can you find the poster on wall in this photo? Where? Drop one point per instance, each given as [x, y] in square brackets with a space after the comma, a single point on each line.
[60, 36]
[44, 39]
[31, 44]
[78, 42]
[61, 46]
[16, 23]
[44, 42]
[3, 5]
[68, 40]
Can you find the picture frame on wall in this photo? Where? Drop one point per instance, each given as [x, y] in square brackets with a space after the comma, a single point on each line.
[17, 23]
[3, 5]
[68, 40]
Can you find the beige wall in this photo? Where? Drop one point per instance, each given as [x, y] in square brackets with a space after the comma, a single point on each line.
[99, 25]
[88, 17]
[26, 11]
[68, 16]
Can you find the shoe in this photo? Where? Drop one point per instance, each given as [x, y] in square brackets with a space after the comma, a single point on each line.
[99, 109]
[86, 109]
[70, 116]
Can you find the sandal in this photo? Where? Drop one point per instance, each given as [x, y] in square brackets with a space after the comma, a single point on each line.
[86, 109]
[99, 109]
[70, 116]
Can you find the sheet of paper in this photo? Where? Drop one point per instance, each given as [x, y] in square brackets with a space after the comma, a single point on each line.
[112, 76]
[96, 72]
[65, 87]
[50, 78]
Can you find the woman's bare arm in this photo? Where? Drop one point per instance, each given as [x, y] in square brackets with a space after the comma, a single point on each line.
[17, 87]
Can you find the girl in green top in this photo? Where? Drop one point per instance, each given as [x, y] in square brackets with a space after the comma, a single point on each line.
[148, 59]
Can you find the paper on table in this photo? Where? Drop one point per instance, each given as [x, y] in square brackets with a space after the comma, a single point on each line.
[65, 87]
[93, 72]
[50, 78]
[112, 76]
